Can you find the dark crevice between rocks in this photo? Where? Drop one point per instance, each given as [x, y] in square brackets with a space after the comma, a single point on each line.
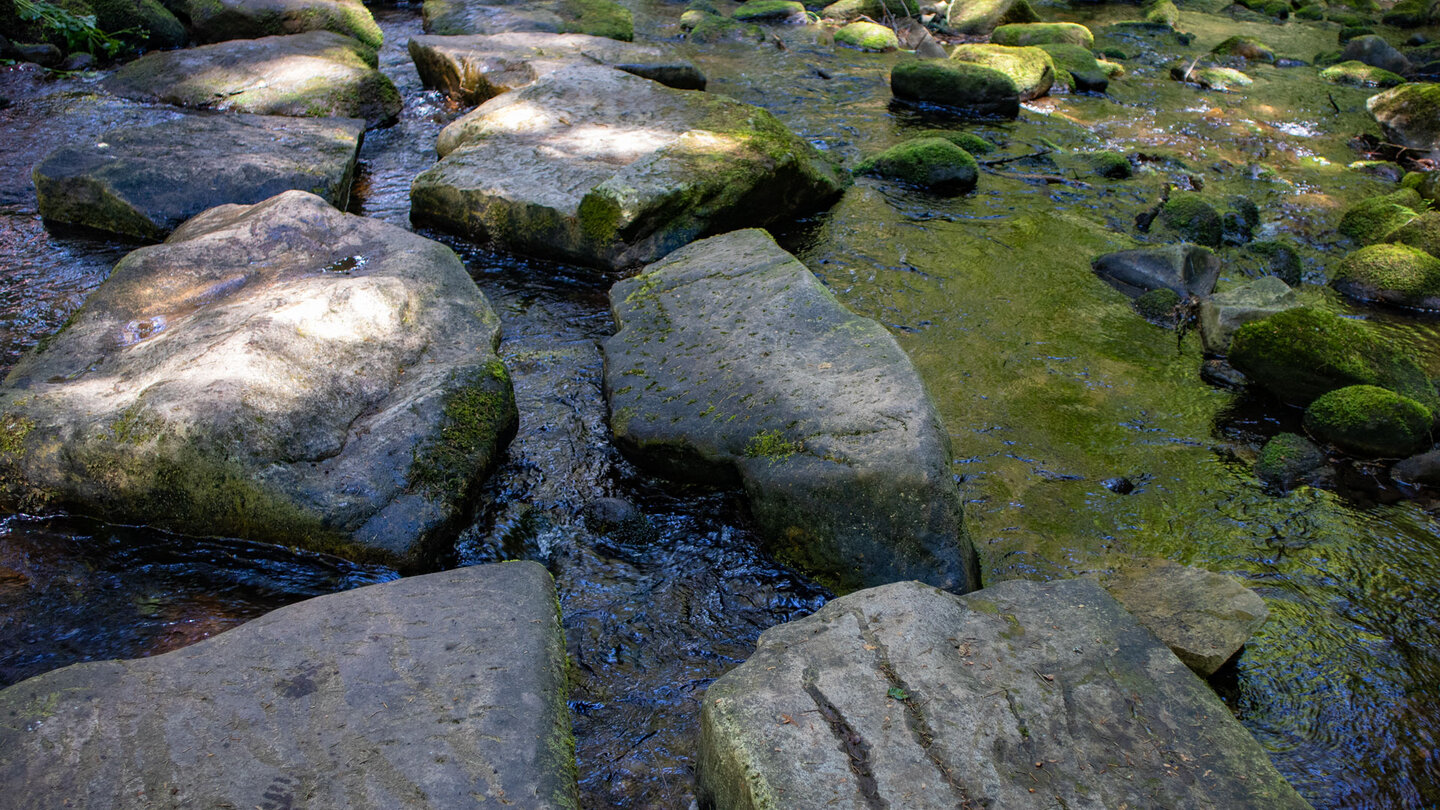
[851, 742]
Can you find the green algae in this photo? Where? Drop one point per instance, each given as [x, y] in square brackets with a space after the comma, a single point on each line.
[868, 36]
[598, 18]
[1396, 273]
[1031, 69]
[1365, 420]
[768, 10]
[772, 444]
[1194, 219]
[1286, 459]
[1372, 220]
[1043, 33]
[934, 163]
[479, 417]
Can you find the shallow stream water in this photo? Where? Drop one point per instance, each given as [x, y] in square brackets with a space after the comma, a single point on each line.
[1051, 387]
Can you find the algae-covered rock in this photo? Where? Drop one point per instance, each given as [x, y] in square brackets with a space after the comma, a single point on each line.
[282, 372]
[963, 85]
[1162, 12]
[1422, 232]
[1393, 273]
[1371, 220]
[1189, 270]
[868, 36]
[1409, 115]
[1412, 14]
[143, 182]
[770, 11]
[846, 10]
[455, 681]
[144, 21]
[1193, 219]
[1112, 165]
[1043, 33]
[969, 141]
[474, 69]
[1302, 353]
[1376, 52]
[983, 16]
[1031, 69]
[714, 28]
[596, 166]
[733, 363]
[1086, 73]
[1158, 306]
[932, 163]
[1359, 74]
[1211, 77]
[1274, 258]
[1288, 460]
[598, 18]
[1248, 48]
[316, 74]
[946, 702]
[1222, 313]
[219, 20]
[1365, 420]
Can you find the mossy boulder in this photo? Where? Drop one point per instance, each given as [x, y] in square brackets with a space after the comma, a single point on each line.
[1112, 165]
[1084, 72]
[148, 22]
[1162, 12]
[1279, 9]
[969, 141]
[714, 28]
[598, 18]
[1223, 313]
[220, 20]
[1302, 353]
[1211, 77]
[1273, 258]
[1371, 220]
[1314, 11]
[770, 11]
[932, 163]
[1158, 306]
[868, 36]
[1248, 48]
[1365, 420]
[1031, 69]
[1043, 33]
[1287, 460]
[1409, 115]
[846, 10]
[962, 85]
[1192, 218]
[1376, 52]
[1359, 74]
[980, 17]
[1392, 273]
[1422, 232]
[1412, 14]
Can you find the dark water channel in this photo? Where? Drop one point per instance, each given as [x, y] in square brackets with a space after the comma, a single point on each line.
[1049, 383]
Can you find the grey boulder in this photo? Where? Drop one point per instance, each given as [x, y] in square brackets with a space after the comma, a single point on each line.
[1188, 270]
[733, 363]
[1221, 314]
[282, 372]
[1376, 52]
[143, 182]
[1023, 695]
[603, 168]
[440, 691]
[1406, 114]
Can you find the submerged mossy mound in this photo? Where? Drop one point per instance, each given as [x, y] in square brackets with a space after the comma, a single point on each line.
[1077, 69]
[770, 11]
[1288, 459]
[962, 85]
[874, 9]
[868, 36]
[1302, 353]
[1370, 221]
[1112, 165]
[1043, 33]
[1359, 74]
[1393, 273]
[936, 164]
[1365, 420]
[980, 17]
[1194, 219]
[1248, 48]
[1031, 69]
[1422, 232]
[970, 142]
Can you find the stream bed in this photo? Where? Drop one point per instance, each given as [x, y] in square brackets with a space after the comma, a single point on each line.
[1052, 388]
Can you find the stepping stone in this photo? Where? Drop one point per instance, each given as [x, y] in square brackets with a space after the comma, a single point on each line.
[604, 169]
[143, 182]
[600, 18]
[281, 372]
[319, 74]
[220, 20]
[474, 69]
[733, 364]
[441, 691]
[1023, 695]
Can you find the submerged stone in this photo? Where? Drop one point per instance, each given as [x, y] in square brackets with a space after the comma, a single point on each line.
[1409, 115]
[1188, 270]
[962, 85]
[1418, 470]
[1393, 273]
[1042, 34]
[1211, 78]
[1112, 165]
[932, 163]
[143, 182]
[424, 693]
[868, 36]
[219, 20]
[1023, 695]
[281, 372]
[1221, 314]
[983, 16]
[1369, 421]
[1193, 219]
[733, 363]
[605, 169]
[1288, 460]
[1031, 69]
[599, 18]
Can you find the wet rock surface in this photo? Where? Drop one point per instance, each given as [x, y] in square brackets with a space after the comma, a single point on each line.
[437, 691]
[220, 20]
[1188, 270]
[1221, 314]
[601, 18]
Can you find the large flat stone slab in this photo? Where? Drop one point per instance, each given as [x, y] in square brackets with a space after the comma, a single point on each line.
[602, 168]
[600, 18]
[441, 691]
[282, 372]
[474, 69]
[220, 20]
[317, 74]
[143, 182]
[734, 363]
[1023, 695]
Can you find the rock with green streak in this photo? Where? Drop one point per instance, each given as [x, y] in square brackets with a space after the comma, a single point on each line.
[980, 17]
[143, 182]
[905, 696]
[1302, 353]
[599, 18]
[308, 705]
[317, 74]
[145, 21]
[1288, 460]
[1371, 220]
[1211, 78]
[1162, 12]
[220, 20]
[1086, 73]
[1222, 313]
[1364, 420]
[1394, 274]
[1248, 48]
[1031, 69]
[733, 364]
[1192, 218]
[281, 372]
[847, 10]
[770, 11]
[1422, 232]
[1409, 115]
[965, 86]
[714, 28]
[474, 69]
[933, 163]
[605, 169]
[1359, 74]
[868, 36]
[1043, 34]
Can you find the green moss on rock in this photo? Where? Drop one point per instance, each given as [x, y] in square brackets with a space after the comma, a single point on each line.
[956, 84]
[1086, 74]
[1162, 12]
[1359, 74]
[1370, 221]
[1193, 219]
[1246, 48]
[1022, 34]
[479, 418]
[1031, 69]
[1158, 306]
[1287, 459]
[1110, 164]
[1366, 420]
[769, 11]
[598, 18]
[969, 141]
[932, 163]
[773, 445]
[1422, 232]
[1394, 273]
[875, 9]
[868, 36]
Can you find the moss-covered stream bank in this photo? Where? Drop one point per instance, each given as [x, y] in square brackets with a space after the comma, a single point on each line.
[1084, 434]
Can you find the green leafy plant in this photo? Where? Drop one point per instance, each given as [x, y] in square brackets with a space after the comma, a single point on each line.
[79, 31]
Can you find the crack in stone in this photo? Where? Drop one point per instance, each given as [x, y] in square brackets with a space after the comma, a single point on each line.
[851, 742]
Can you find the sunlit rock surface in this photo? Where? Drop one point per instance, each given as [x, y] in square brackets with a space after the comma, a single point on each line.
[281, 372]
[1221, 314]
[143, 182]
[218, 20]
[1409, 115]
[316, 74]
[474, 69]
[1023, 695]
[733, 363]
[441, 691]
[600, 18]
[601, 168]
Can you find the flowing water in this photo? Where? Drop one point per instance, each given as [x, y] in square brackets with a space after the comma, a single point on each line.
[1052, 389]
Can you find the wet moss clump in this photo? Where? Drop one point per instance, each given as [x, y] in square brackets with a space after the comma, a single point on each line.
[1162, 12]
[1279, 9]
[773, 445]
[1277, 259]
[1312, 12]
[1359, 74]
[1393, 273]
[1422, 232]
[1365, 420]
[1158, 306]
[1110, 164]
[1247, 48]
[956, 84]
[1410, 14]
[1287, 459]
[931, 163]
[479, 418]
[874, 9]
[970, 142]
[714, 28]
[1085, 73]
[598, 18]
[1031, 69]
[758, 10]
[1193, 219]
[868, 36]
[1370, 221]
[1042, 34]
